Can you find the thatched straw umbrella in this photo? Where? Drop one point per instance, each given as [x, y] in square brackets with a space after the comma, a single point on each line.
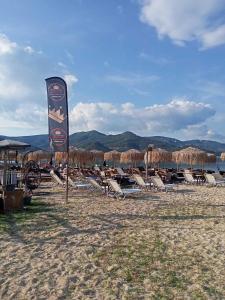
[113, 156]
[81, 157]
[158, 155]
[132, 156]
[39, 155]
[20, 157]
[60, 157]
[98, 156]
[190, 155]
[11, 155]
[222, 156]
[211, 158]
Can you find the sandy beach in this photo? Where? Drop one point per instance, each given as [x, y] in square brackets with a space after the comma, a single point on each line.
[154, 246]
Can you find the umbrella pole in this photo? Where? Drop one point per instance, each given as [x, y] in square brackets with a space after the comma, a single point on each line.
[5, 169]
[146, 174]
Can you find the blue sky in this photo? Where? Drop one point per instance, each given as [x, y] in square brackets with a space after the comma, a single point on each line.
[154, 67]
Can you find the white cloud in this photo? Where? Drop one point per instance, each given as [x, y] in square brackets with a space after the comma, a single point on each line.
[202, 132]
[6, 46]
[150, 120]
[22, 75]
[23, 98]
[25, 119]
[181, 118]
[11, 88]
[29, 49]
[186, 20]
[70, 79]
[214, 38]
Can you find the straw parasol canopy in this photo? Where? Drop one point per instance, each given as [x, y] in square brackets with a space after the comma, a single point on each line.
[12, 145]
[113, 156]
[60, 156]
[211, 158]
[158, 155]
[132, 156]
[77, 156]
[11, 155]
[222, 156]
[9, 149]
[81, 156]
[39, 155]
[98, 156]
[190, 155]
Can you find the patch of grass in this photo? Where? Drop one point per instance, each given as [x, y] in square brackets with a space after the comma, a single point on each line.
[213, 292]
[3, 223]
[23, 218]
[148, 267]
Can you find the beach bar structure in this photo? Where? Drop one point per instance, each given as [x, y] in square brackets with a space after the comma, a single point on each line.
[11, 196]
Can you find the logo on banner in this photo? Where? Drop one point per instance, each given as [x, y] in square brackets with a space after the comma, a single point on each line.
[56, 115]
[58, 136]
[56, 92]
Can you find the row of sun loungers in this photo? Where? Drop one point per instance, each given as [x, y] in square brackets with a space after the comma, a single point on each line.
[214, 179]
[111, 186]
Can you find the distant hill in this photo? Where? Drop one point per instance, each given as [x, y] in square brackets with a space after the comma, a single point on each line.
[95, 140]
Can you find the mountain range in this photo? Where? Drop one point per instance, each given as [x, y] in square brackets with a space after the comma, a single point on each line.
[91, 140]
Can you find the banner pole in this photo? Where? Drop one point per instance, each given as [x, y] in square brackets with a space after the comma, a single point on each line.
[67, 148]
[67, 177]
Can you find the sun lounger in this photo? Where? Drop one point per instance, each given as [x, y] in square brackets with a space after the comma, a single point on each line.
[95, 185]
[189, 179]
[218, 177]
[160, 186]
[57, 179]
[102, 174]
[121, 172]
[119, 192]
[140, 182]
[78, 185]
[96, 168]
[211, 181]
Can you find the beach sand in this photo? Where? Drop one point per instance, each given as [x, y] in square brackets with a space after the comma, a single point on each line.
[154, 246]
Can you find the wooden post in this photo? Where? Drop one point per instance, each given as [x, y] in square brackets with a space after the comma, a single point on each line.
[146, 175]
[5, 169]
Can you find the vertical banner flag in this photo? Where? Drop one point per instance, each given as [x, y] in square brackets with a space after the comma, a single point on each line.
[58, 114]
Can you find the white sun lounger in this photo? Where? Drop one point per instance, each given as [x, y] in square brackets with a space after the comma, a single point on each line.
[189, 179]
[210, 180]
[95, 185]
[160, 186]
[218, 177]
[102, 174]
[119, 192]
[78, 185]
[140, 182]
[57, 179]
[121, 172]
